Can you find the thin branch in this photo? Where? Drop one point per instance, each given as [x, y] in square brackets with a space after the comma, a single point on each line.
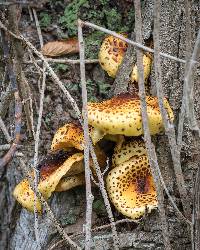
[147, 137]
[89, 196]
[188, 35]
[65, 61]
[37, 134]
[38, 28]
[137, 45]
[193, 123]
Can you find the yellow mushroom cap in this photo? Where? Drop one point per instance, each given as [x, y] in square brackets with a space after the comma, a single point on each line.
[25, 196]
[68, 136]
[147, 69]
[134, 148]
[111, 54]
[122, 115]
[131, 187]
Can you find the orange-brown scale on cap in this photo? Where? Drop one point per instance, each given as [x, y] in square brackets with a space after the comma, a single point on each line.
[131, 187]
[111, 54]
[122, 115]
[68, 136]
[52, 162]
[129, 149]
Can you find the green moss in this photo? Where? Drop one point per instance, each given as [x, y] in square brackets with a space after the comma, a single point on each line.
[68, 20]
[113, 19]
[93, 43]
[45, 20]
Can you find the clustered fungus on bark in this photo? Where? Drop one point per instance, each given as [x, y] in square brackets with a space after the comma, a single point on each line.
[129, 182]
[111, 55]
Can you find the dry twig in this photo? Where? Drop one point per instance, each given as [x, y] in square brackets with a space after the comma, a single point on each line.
[37, 134]
[147, 137]
[65, 61]
[137, 45]
[89, 195]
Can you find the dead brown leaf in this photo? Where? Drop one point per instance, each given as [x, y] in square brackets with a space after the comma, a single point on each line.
[59, 48]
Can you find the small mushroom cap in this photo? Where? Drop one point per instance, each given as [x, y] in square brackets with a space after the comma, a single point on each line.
[25, 196]
[68, 136]
[111, 54]
[131, 187]
[147, 61]
[122, 115]
[130, 149]
[70, 182]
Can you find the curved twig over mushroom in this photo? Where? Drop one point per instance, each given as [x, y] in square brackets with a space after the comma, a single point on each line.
[111, 54]
[122, 115]
[130, 184]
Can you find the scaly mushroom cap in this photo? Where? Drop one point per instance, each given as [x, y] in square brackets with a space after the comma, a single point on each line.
[50, 178]
[127, 151]
[131, 187]
[122, 115]
[111, 54]
[68, 136]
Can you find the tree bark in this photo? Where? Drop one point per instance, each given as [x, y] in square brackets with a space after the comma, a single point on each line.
[16, 224]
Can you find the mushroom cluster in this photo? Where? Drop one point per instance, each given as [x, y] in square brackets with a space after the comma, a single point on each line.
[62, 169]
[129, 183]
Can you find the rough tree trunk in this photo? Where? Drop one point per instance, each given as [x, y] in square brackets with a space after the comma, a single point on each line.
[16, 227]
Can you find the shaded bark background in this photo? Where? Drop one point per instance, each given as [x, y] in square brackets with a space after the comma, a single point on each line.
[16, 224]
